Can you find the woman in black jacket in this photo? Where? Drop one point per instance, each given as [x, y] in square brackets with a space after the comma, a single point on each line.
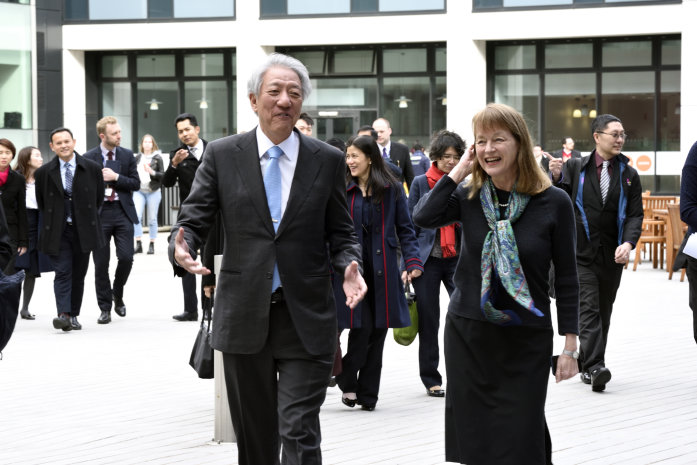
[12, 186]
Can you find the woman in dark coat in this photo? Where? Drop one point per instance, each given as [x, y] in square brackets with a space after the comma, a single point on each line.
[438, 250]
[12, 186]
[380, 215]
[498, 331]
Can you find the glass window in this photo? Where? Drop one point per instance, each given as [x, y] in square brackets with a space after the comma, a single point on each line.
[204, 64]
[630, 96]
[353, 61]
[160, 9]
[440, 106]
[209, 99]
[312, 59]
[404, 60]
[522, 92]
[515, 57]
[670, 52]
[124, 9]
[630, 53]
[364, 6]
[569, 107]
[441, 59]
[310, 7]
[568, 55]
[517, 3]
[15, 72]
[411, 5]
[406, 102]
[116, 101]
[155, 65]
[669, 122]
[76, 9]
[204, 8]
[157, 104]
[115, 66]
[336, 93]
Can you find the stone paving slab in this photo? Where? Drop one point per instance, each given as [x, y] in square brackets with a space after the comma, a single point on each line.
[123, 393]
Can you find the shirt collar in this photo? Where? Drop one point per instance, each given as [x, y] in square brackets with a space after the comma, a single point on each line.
[386, 146]
[105, 151]
[290, 146]
[72, 162]
[599, 160]
[198, 146]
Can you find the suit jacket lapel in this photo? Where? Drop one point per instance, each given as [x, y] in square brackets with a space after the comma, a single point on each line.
[55, 174]
[309, 164]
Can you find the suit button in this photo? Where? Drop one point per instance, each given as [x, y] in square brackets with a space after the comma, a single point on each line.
[378, 251]
[269, 275]
[379, 273]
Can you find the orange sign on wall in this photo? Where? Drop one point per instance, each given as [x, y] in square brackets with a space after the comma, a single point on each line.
[643, 163]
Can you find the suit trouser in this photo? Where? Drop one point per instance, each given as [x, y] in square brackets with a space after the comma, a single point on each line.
[70, 266]
[275, 397]
[598, 283]
[115, 224]
[427, 288]
[692, 280]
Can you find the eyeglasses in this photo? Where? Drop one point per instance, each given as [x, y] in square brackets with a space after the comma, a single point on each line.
[622, 135]
[451, 157]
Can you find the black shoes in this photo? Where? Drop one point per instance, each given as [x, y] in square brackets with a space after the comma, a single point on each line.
[62, 321]
[367, 407]
[348, 402]
[599, 378]
[119, 306]
[74, 324]
[139, 247]
[435, 391]
[332, 381]
[186, 316]
[105, 317]
[585, 377]
[24, 313]
[151, 248]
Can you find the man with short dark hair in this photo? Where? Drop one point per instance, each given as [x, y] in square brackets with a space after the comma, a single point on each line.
[118, 215]
[304, 124]
[184, 161]
[606, 193]
[398, 153]
[69, 194]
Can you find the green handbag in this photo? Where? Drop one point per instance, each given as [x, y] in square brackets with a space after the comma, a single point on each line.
[406, 335]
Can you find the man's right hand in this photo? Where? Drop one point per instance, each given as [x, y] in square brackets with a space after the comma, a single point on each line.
[554, 166]
[183, 258]
[179, 156]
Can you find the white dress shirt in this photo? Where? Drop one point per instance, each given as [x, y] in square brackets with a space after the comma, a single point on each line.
[286, 162]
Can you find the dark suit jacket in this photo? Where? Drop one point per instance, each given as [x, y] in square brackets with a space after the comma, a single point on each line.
[128, 181]
[88, 196]
[602, 220]
[400, 156]
[5, 248]
[558, 154]
[13, 196]
[316, 220]
[158, 166]
[184, 172]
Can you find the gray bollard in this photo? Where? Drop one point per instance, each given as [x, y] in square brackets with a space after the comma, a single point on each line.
[223, 421]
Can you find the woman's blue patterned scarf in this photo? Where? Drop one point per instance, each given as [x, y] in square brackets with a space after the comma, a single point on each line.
[500, 260]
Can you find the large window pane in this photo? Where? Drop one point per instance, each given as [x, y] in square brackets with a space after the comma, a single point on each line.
[440, 105]
[312, 59]
[353, 62]
[515, 57]
[441, 59]
[519, 3]
[124, 9]
[411, 5]
[404, 60]
[15, 71]
[116, 101]
[204, 64]
[634, 53]
[670, 52]
[406, 103]
[204, 8]
[570, 107]
[158, 119]
[522, 92]
[568, 55]
[342, 93]
[669, 122]
[630, 97]
[115, 66]
[309, 7]
[208, 100]
[155, 65]
[76, 9]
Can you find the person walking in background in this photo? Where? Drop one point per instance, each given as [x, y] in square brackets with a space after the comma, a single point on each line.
[398, 153]
[565, 153]
[33, 262]
[12, 187]
[381, 220]
[183, 163]
[282, 200]
[69, 193]
[498, 332]
[118, 215]
[688, 214]
[151, 169]
[305, 123]
[606, 194]
[438, 250]
[5, 247]
[419, 161]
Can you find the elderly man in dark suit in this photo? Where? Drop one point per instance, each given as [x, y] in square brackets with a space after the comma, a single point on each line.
[118, 215]
[606, 193]
[69, 193]
[398, 153]
[282, 199]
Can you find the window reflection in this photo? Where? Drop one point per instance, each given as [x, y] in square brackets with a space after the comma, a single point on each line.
[522, 92]
[630, 97]
[570, 107]
[116, 101]
[160, 121]
[406, 103]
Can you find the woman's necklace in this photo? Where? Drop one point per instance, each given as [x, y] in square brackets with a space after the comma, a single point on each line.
[503, 204]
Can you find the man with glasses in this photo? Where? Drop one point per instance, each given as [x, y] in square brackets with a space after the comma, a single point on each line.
[606, 193]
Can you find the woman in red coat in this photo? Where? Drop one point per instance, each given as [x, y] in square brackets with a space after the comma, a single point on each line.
[380, 215]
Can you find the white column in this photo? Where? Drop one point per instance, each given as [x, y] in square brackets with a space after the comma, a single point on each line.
[74, 100]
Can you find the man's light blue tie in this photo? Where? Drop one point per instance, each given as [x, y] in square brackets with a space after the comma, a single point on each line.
[272, 185]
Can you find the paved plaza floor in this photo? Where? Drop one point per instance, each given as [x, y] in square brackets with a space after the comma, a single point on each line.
[123, 393]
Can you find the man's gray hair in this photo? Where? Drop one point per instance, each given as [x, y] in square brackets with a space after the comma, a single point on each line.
[278, 59]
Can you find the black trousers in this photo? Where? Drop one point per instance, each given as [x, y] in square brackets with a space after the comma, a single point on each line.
[275, 397]
[427, 288]
[115, 224]
[598, 283]
[692, 280]
[189, 289]
[70, 266]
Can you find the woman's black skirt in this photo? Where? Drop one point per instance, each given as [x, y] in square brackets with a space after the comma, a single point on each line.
[33, 261]
[497, 386]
